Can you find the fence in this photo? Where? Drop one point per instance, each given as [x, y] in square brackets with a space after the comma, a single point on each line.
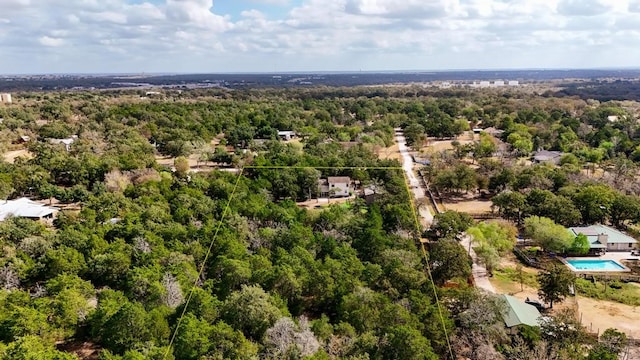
[522, 256]
[611, 277]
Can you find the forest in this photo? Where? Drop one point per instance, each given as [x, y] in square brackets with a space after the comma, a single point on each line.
[153, 260]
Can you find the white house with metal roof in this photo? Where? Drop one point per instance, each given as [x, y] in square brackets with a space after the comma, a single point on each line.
[26, 208]
[602, 237]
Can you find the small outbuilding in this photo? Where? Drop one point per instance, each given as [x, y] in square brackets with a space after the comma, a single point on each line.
[286, 135]
[518, 313]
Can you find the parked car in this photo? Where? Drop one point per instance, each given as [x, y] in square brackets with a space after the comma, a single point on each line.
[537, 304]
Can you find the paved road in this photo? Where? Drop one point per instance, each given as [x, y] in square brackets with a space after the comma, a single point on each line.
[414, 183]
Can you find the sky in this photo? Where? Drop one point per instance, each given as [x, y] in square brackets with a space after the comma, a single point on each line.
[212, 36]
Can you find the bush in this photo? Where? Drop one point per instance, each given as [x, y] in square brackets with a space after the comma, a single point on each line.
[623, 293]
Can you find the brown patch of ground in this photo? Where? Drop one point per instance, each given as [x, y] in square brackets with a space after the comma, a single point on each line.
[10, 156]
[195, 164]
[83, 350]
[434, 146]
[323, 202]
[599, 315]
[468, 205]
[390, 153]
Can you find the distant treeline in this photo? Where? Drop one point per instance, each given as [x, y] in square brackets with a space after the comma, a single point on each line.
[602, 90]
[62, 82]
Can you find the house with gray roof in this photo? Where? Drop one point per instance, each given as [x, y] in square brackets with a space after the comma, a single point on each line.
[605, 238]
[518, 313]
[26, 208]
[547, 157]
[335, 186]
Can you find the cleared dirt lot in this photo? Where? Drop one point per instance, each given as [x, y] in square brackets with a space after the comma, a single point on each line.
[471, 206]
[434, 145]
[10, 156]
[390, 153]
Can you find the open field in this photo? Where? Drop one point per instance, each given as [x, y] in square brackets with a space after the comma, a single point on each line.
[390, 153]
[10, 156]
[470, 206]
[434, 146]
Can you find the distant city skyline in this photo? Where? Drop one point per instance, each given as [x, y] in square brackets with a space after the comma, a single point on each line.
[269, 36]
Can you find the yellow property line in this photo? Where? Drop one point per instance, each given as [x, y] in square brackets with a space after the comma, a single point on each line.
[224, 213]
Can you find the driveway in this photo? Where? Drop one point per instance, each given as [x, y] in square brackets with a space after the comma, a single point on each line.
[414, 183]
[479, 272]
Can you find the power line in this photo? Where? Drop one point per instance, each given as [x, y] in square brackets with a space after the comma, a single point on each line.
[204, 262]
[224, 213]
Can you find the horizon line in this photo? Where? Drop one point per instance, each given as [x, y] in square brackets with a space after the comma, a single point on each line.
[326, 72]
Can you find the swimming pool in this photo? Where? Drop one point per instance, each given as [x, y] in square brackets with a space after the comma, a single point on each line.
[595, 265]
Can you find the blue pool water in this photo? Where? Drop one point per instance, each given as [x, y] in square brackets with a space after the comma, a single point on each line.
[595, 265]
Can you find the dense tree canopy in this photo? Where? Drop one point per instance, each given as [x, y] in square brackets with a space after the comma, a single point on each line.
[154, 191]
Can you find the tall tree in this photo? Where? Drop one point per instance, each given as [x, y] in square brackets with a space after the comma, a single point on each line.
[448, 260]
[555, 284]
[548, 234]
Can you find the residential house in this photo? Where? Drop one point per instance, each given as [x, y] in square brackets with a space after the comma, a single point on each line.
[518, 313]
[604, 238]
[493, 131]
[26, 208]
[6, 98]
[66, 142]
[335, 186]
[22, 139]
[286, 135]
[547, 157]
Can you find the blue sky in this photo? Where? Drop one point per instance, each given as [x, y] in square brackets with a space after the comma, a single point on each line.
[72, 36]
[273, 10]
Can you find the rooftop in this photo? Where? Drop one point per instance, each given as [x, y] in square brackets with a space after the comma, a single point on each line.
[592, 232]
[339, 179]
[520, 313]
[544, 155]
[24, 207]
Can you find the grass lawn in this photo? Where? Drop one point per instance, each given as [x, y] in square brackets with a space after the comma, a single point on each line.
[509, 279]
[628, 294]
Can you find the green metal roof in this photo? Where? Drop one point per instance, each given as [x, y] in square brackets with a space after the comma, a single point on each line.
[614, 236]
[518, 313]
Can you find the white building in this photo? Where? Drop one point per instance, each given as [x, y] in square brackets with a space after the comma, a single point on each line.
[602, 237]
[514, 83]
[25, 208]
[336, 186]
[5, 98]
[66, 142]
[286, 135]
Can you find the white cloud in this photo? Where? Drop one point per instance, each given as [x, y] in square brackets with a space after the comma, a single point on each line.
[51, 41]
[583, 7]
[189, 35]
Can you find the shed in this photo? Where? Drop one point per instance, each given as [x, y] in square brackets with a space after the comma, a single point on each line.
[520, 313]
